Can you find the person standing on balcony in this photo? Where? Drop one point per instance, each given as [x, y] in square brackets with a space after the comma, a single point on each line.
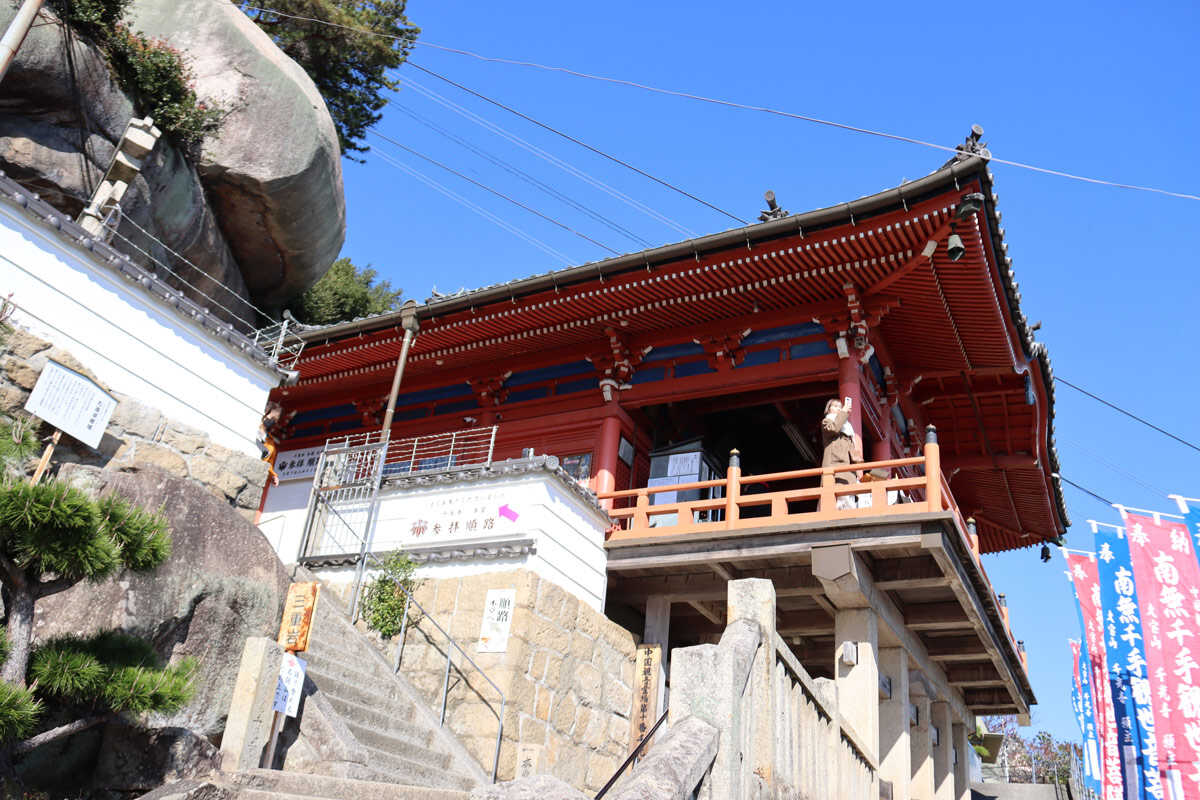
[841, 446]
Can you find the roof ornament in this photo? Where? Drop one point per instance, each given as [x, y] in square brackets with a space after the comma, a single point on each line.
[773, 210]
[972, 146]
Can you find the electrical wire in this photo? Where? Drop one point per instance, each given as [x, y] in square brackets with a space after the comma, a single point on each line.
[548, 157]
[1129, 414]
[483, 212]
[734, 104]
[487, 188]
[185, 260]
[1125, 473]
[237, 317]
[520, 173]
[1085, 490]
[579, 142]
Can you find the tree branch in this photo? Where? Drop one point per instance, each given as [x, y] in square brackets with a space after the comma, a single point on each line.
[21, 748]
[11, 573]
[47, 588]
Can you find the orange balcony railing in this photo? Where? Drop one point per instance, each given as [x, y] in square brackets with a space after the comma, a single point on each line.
[746, 502]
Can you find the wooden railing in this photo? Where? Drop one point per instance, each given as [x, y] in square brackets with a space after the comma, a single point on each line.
[738, 502]
[913, 485]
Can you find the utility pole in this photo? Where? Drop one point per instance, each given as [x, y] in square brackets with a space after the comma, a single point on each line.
[15, 35]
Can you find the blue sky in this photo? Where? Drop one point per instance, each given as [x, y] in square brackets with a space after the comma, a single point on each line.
[1105, 90]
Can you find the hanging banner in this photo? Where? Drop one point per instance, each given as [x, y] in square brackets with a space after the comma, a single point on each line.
[1085, 577]
[1167, 576]
[1083, 716]
[1128, 681]
[1192, 520]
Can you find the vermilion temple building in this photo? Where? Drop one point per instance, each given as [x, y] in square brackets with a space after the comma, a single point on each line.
[680, 391]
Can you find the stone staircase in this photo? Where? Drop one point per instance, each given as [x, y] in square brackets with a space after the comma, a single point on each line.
[385, 741]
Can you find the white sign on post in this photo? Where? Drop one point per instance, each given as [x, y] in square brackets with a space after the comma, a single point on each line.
[290, 685]
[71, 402]
[293, 464]
[497, 620]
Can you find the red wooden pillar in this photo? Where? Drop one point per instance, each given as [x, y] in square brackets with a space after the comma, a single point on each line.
[882, 449]
[606, 456]
[850, 385]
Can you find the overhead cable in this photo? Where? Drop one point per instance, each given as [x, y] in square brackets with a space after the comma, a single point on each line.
[1084, 489]
[579, 142]
[1129, 414]
[546, 156]
[523, 175]
[1123, 472]
[487, 188]
[185, 260]
[734, 104]
[483, 212]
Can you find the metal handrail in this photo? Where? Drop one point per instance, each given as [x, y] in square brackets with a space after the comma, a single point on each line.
[632, 756]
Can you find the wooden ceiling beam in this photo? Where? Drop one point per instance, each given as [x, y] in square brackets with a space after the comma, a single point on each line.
[946, 616]
[955, 648]
[912, 572]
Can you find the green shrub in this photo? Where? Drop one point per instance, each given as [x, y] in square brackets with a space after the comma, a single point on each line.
[18, 442]
[144, 538]
[19, 712]
[90, 16]
[383, 601]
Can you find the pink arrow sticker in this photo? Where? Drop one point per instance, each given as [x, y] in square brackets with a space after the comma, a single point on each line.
[508, 513]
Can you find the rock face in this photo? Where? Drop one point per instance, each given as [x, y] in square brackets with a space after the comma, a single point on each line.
[273, 172]
[222, 584]
[261, 212]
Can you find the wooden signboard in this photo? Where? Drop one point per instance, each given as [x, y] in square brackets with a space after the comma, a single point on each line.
[298, 616]
[645, 691]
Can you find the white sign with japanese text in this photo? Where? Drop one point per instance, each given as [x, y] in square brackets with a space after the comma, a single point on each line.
[71, 402]
[290, 685]
[497, 620]
[430, 518]
[293, 464]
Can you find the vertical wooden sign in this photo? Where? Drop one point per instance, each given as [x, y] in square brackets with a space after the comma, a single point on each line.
[298, 616]
[645, 691]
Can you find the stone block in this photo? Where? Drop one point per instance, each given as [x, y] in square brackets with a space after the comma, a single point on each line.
[158, 456]
[617, 696]
[543, 703]
[250, 714]
[582, 647]
[535, 787]
[618, 731]
[250, 497]
[137, 419]
[545, 633]
[588, 683]
[571, 765]
[595, 733]
[569, 611]
[531, 730]
[588, 622]
[599, 769]
[12, 398]
[549, 600]
[21, 373]
[537, 665]
[24, 345]
[185, 440]
[563, 716]
[446, 601]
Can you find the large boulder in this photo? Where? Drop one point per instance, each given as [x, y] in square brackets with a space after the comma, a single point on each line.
[61, 115]
[273, 171]
[261, 211]
[222, 584]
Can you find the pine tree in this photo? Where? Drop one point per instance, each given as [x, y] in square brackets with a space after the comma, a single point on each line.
[345, 292]
[53, 536]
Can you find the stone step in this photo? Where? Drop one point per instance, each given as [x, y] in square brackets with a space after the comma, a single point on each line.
[265, 784]
[406, 771]
[401, 721]
[411, 744]
[384, 696]
[363, 672]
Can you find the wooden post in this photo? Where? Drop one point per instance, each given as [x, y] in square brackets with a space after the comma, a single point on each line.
[933, 470]
[45, 459]
[733, 487]
[607, 454]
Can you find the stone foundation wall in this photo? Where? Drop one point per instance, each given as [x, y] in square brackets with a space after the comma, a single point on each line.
[567, 677]
[137, 433]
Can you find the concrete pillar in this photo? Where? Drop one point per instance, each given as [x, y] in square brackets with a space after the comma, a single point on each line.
[895, 753]
[962, 764]
[921, 787]
[754, 599]
[856, 637]
[943, 770]
[658, 631]
[248, 726]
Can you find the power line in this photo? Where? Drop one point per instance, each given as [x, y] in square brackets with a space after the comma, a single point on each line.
[733, 104]
[483, 212]
[487, 188]
[548, 157]
[582, 144]
[185, 260]
[1097, 458]
[1129, 414]
[1085, 490]
[525, 176]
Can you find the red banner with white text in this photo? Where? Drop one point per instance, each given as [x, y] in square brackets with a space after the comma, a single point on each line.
[1168, 584]
[1086, 578]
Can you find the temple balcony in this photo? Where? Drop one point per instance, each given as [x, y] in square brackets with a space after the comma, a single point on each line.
[902, 548]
